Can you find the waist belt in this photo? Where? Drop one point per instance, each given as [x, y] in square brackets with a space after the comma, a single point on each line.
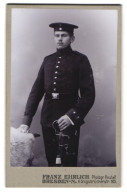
[56, 96]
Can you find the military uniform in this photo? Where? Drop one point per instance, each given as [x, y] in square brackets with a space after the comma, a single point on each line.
[65, 79]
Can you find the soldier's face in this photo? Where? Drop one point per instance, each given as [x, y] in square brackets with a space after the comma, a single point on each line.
[62, 39]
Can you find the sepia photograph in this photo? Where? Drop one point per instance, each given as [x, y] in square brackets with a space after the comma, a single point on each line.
[63, 70]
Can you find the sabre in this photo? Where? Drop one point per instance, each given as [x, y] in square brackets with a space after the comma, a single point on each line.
[62, 143]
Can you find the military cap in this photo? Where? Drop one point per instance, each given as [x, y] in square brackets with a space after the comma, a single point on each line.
[60, 26]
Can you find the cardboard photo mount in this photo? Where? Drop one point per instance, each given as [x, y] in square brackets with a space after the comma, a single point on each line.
[63, 176]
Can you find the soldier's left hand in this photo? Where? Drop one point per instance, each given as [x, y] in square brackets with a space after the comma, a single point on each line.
[64, 122]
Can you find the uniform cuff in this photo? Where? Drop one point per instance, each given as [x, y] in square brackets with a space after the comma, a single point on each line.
[75, 117]
[27, 120]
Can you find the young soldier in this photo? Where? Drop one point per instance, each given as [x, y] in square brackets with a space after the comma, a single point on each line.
[62, 77]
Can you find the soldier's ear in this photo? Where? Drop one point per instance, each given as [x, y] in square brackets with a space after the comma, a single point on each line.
[72, 39]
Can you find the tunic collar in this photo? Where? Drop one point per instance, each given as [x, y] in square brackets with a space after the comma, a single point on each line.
[65, 51]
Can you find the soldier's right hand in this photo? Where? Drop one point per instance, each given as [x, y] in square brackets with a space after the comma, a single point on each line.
[23, 128]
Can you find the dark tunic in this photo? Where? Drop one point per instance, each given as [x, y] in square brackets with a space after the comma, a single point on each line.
[69, 73]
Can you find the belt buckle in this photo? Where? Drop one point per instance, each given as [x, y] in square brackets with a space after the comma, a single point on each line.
[55, 95]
